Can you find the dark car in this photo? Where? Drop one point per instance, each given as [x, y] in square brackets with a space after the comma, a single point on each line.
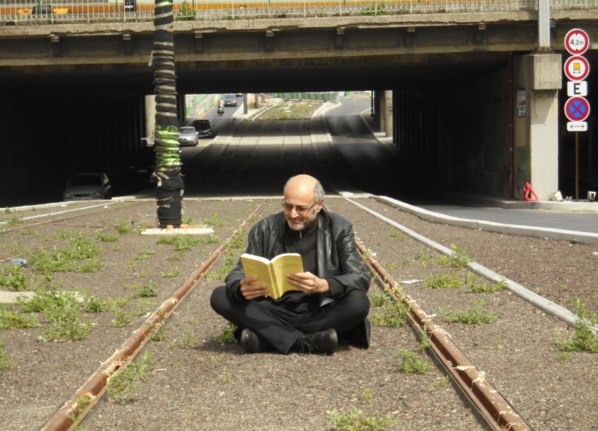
[88, 186]
[229, 100]
[204, 128]
[187, 136]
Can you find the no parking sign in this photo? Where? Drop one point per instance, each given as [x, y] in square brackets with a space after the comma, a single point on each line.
[577, 69]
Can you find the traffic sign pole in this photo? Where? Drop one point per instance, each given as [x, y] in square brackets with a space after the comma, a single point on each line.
[577, 108]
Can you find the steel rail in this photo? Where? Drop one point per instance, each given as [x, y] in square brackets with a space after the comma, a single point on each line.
[496, 410]
[73, 411]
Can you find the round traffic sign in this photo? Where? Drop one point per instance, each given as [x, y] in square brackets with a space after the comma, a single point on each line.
[576, 68]
[577, 41]
[577, 109]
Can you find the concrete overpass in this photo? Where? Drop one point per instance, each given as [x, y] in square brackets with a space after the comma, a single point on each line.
[75, 92]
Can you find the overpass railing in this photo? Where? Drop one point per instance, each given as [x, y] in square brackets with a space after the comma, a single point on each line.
[60, 11]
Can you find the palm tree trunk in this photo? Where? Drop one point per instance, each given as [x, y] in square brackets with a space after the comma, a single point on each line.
[167, 175]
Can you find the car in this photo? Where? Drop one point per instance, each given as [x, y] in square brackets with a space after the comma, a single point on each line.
[229, 100]
[88, 185]
[203, 128]
[188, 136]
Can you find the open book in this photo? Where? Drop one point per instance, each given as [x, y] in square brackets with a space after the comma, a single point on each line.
[272, 273]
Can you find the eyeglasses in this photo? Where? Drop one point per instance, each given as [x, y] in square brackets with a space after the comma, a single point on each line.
[300, 210]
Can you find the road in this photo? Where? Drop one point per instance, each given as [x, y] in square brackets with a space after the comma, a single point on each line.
[254, 158]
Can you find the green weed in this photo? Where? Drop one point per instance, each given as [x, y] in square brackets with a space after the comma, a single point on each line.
[443, 280]
[474, 316]
[563, 356]
[180, 242]
[107, 238]
[94, 304]
[210, 239]
[10, 319]
[411, 363]
[379, 299]
[123, 387]
[424, 342]
[159, 330]
[458, 259]
[396, 234]
[583, 338]
[15, 221]
[124, 228]
[63, 312]
[66, 259]
[394, 315]
[148, 290]
[121, 317]
[215, 221]
[65, 234]
[82, 407]
[13, 277]
[477, 286]
[120, 302]
[144, 254]
[357, 421]
[437, 384]
[173, 273]
[5, 362]
[227, 335]
[423, 257]
[190, 339]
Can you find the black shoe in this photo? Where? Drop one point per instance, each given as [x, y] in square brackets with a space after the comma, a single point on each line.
[360, 336]
[318, 342]
[251, 342]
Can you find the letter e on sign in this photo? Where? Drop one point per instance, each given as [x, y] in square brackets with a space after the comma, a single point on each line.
[579, 88]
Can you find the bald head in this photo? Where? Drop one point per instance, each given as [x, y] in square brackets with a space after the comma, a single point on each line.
[304, 184]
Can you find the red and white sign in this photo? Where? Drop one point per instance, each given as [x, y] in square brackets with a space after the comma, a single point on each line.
[577, 41]
[577, 68]
[577, 109]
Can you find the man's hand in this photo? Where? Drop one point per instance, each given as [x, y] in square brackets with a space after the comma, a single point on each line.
[308, 282]
[252, 291]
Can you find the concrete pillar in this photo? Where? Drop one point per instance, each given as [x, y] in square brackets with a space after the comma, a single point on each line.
[544, 142]
[537, 79]
[544, 72]
[379, 109]
[150, 118]
[388, 113]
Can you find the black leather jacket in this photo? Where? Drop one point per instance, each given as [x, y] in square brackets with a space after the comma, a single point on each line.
[337, 258]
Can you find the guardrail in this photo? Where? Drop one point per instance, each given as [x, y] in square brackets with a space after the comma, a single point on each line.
[60, 11]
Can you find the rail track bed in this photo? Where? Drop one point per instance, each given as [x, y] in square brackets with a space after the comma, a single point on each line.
[194, 377]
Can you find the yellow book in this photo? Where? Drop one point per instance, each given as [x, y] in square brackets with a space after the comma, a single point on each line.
[272, 273]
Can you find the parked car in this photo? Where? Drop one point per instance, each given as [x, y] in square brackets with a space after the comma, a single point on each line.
[203, 128]
[86, 185]
[229, 100]
[188, 136]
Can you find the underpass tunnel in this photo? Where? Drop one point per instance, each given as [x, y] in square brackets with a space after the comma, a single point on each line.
[49, 137]
[449, 121]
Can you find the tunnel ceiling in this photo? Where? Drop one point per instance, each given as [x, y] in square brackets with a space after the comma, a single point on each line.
[224, 79]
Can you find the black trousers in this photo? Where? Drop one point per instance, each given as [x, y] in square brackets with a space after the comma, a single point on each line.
[281, 326]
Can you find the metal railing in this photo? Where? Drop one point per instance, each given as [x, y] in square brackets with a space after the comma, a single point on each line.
[61, 11]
